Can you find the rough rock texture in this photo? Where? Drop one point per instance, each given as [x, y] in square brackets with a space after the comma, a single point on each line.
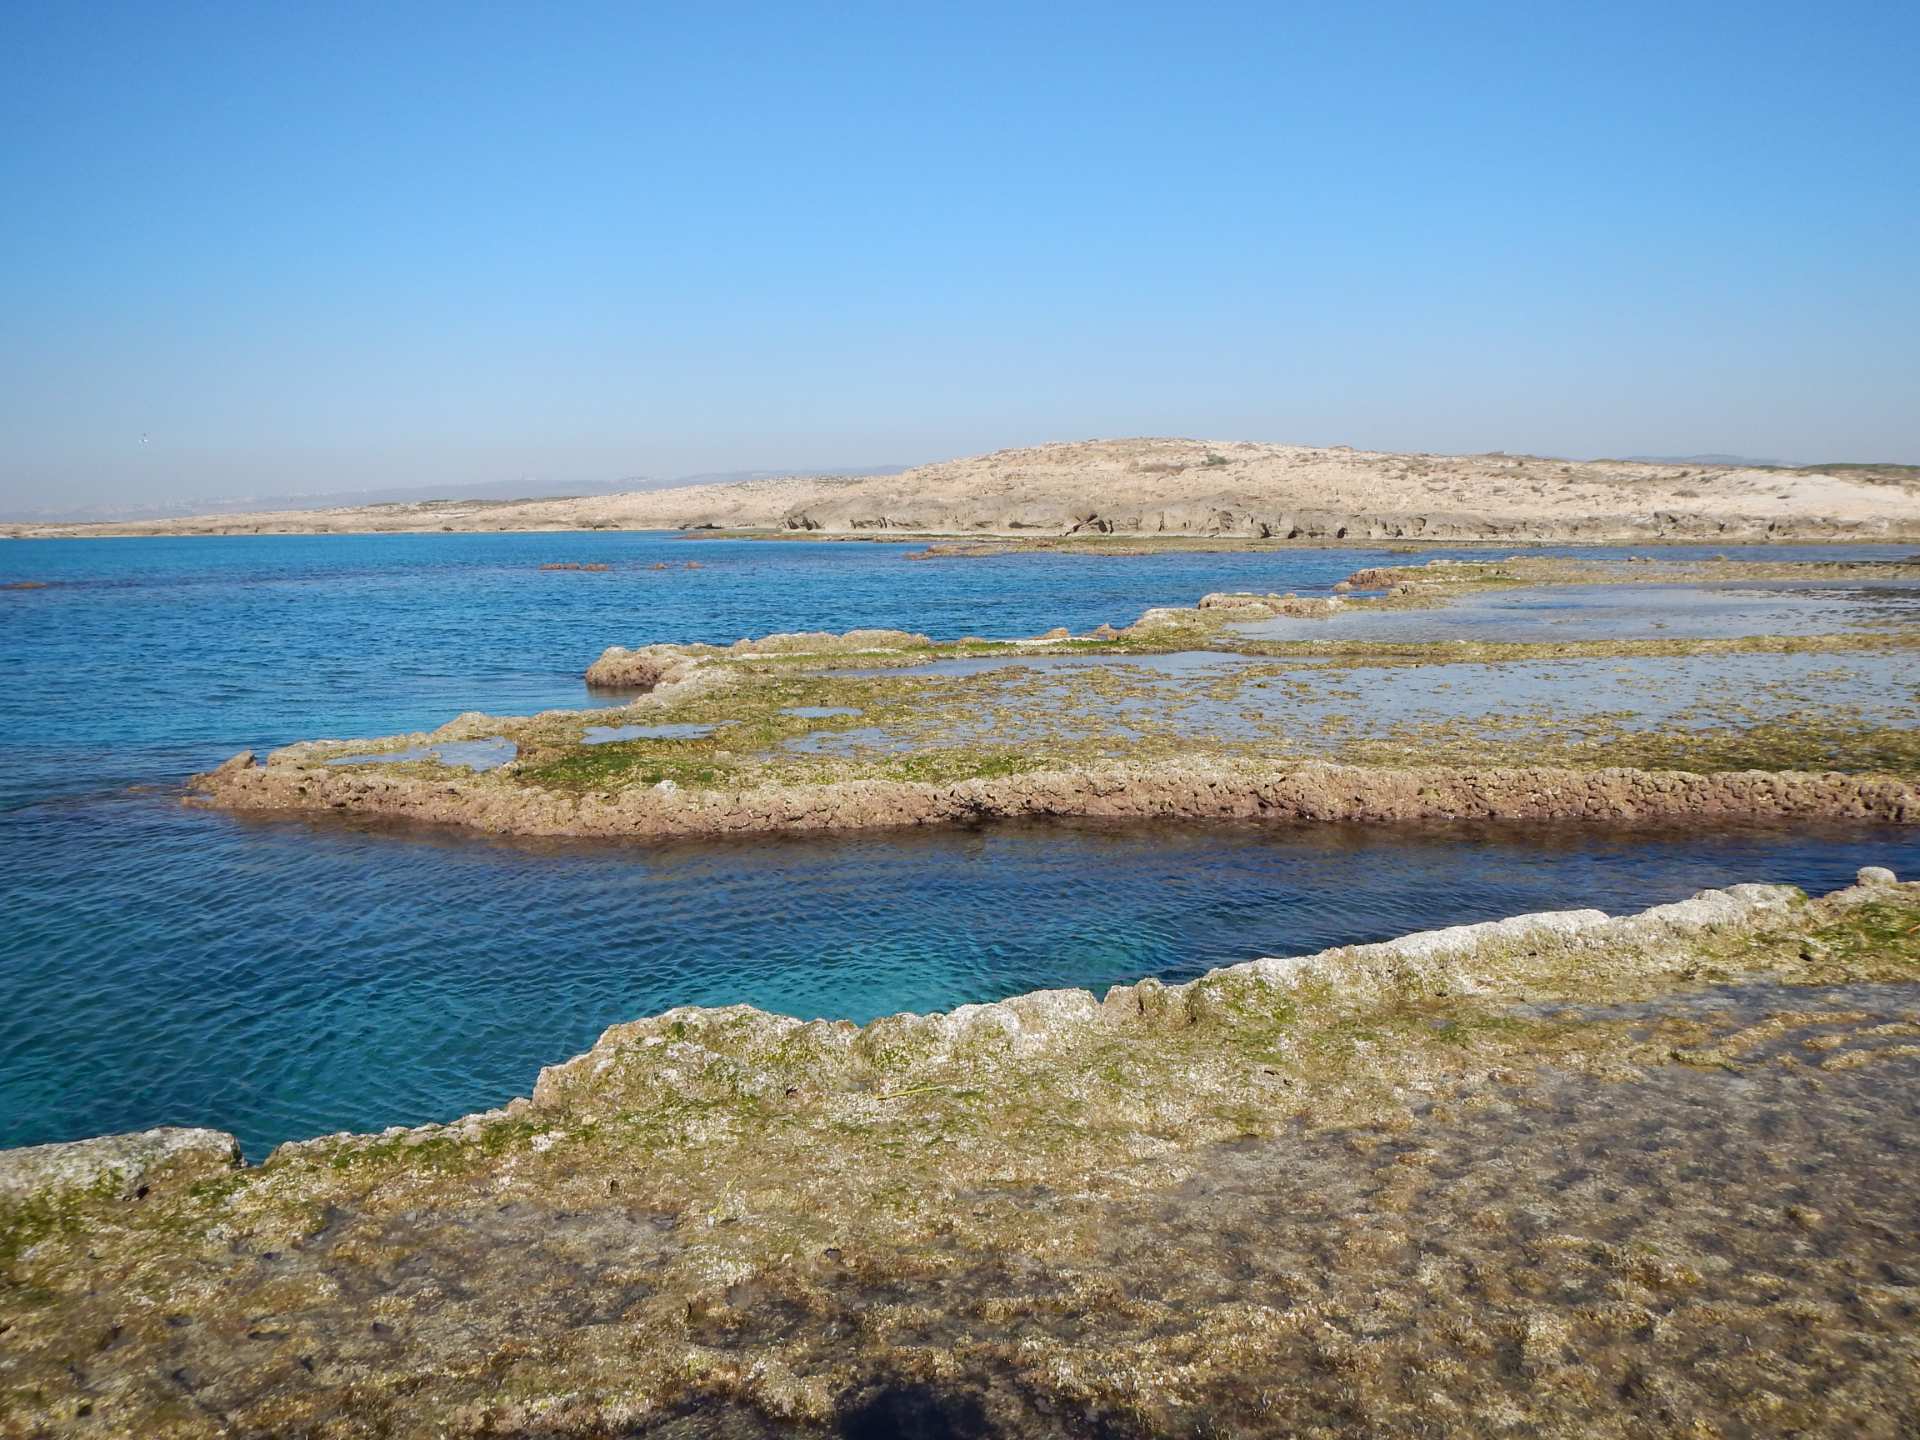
[1270, 604]
[1177, 487]
[619, 668]
[1190, 791]
[123, 1162]
[653, 666]
[1556, 1175]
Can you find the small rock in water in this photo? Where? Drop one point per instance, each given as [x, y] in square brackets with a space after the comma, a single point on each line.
[1876, 875]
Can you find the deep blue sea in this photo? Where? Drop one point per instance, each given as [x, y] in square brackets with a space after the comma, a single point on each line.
[280, 978]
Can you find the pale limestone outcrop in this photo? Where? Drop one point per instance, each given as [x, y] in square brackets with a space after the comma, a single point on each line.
[123, 1163]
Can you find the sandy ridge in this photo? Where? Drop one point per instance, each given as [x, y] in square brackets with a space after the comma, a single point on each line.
[1183, 487]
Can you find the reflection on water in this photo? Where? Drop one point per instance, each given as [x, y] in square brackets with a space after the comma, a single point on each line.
[1175, 664]
[1619, 612]
[1207, 695]
[609, 734]
[489, 754]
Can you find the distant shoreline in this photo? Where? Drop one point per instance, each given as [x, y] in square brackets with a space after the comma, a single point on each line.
[949, 545]
[1173, 490]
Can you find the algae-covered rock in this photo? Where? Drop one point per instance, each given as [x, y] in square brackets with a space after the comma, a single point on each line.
[825, 642]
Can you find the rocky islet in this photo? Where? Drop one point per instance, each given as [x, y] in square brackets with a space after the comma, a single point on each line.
[1196, 713]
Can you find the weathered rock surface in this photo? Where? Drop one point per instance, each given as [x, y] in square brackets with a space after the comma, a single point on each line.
[619, 668]
[125, 1163]
[1602, 1177]
[1185, 791]
[653, 666]
[1272, 604]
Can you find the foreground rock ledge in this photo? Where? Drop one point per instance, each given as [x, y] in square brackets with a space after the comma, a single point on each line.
[1184, 791]
[1558, 1174]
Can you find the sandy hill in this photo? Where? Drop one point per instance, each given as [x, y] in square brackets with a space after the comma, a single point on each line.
[1196, 488]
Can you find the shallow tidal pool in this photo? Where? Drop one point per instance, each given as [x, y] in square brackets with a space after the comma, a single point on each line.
[293, 979]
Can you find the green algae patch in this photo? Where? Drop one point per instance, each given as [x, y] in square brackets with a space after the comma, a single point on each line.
[615, 766]
[1436, 577]
[1809, 745]
[1459, 652]
[1875, 941]
[1030, 716]
[28, 1220]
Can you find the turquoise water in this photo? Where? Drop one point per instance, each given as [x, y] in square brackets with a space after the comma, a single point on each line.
[160, 965]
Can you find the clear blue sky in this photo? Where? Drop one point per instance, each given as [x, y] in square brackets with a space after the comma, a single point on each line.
[332, 246]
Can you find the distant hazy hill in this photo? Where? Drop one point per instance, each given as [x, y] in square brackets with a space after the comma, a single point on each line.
[526, 488]
[1742, 460]
[738, 477]
[1170, 486]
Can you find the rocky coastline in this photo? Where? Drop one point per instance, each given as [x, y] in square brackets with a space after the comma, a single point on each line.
[1623, 1177]
[1609, 1176]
